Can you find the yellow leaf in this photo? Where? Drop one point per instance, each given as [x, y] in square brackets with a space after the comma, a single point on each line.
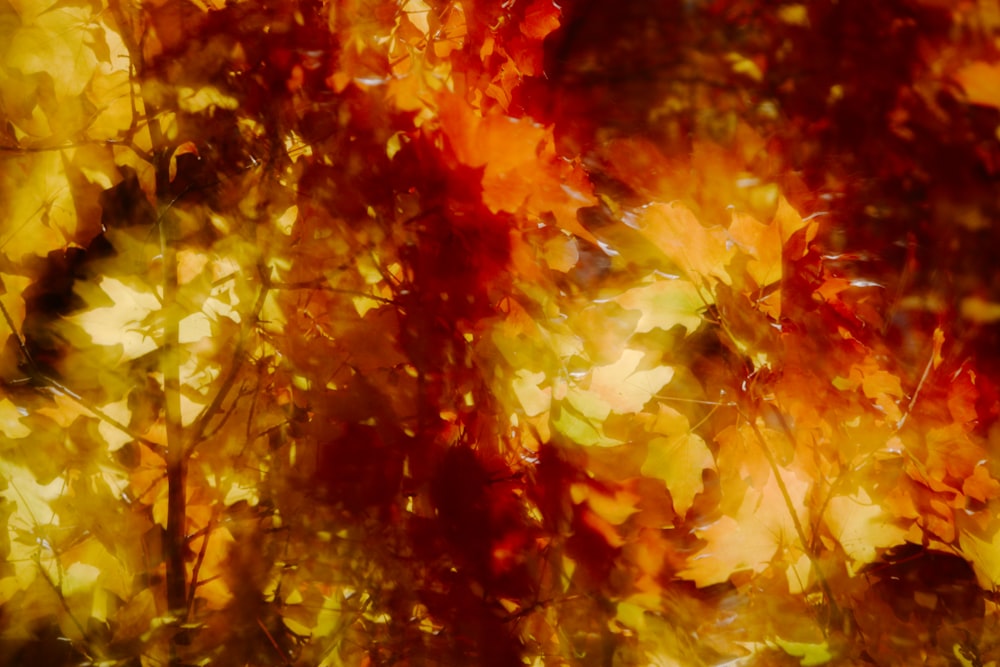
[55, 42]
[113, 436]
[33, 499]
[701, 253]
[10, 420]
[614, 508]
[561, 253]
[938, 344]
[38, 207]
[533, 400]
[664, 304]
[751, 539]
[861, 527]
[121, 323]
[207, 97]
[579, 429]
[679, 461]
[79, 578]
[980, 311]
[625, 388]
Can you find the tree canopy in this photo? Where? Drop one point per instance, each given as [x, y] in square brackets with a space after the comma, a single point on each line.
[468, 332]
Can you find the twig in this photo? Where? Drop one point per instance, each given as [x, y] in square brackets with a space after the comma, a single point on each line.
[37, 376]
[800, 532]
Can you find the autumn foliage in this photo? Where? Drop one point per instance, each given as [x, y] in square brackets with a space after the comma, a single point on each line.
[467, 332]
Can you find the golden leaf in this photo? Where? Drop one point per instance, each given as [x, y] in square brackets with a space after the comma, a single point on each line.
[665, 304]
[679, 461]
[750, 539]
[701, 253]
[625, 388]
[124, 322]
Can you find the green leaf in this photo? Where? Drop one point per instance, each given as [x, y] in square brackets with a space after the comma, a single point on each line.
[811, 654]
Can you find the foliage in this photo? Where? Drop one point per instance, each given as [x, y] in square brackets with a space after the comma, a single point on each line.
[368, 332]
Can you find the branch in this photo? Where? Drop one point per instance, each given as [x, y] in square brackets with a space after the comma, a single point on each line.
[40, 379]
[835, 612]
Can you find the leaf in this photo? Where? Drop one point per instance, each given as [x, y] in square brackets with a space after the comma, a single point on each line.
[580, 429]
[10, 420]
[124, 321]
[811, 654]
[615, 508]
[540, 18]
[625, 388]
[521, 170]
[861, 527]
[40, 213]
[979, 80]
[55, 42]
[763, 243]
[533, 400]
[700, 253]
[679, 461]
[752, 538]
[984, 554]
[665, 304]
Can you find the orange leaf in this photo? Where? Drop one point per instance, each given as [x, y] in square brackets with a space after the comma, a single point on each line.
[701, 253]
[540, 18]
[980, 82]
[521, 171]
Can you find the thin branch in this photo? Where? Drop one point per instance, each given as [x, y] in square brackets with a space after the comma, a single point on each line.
[41, 379]
[836, 613]
[322, 285]
[239, 356]
[206, 533]
[916, 392]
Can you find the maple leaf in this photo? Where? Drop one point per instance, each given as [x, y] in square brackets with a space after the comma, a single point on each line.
[55, 41]
[862, 526]
[677, 456]
[701, 253]
[679, 461]
[521, 169]
[978, 79]
[664, 304]
[623, 387]
[125, 320]
[753, 535]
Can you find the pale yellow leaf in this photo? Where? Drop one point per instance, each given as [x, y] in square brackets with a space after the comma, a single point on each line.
[10, 420]
[121, 323]
[533, 400]
[625, 388]
[114, 436]
[579, 429]
[763, 244]
[861, 526]
[984, 554]
[679, 461]
[55, 42]
[665, 304]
